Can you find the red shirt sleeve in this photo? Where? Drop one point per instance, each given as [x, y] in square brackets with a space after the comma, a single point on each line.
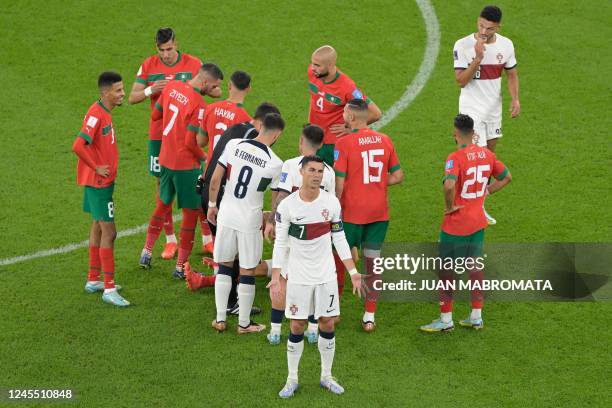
[341, 158]
[451, 168]
[90, 128]
[158, 111]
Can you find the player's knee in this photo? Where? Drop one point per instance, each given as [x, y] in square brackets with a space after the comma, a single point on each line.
[326, 324]
[109, 232]
[298, 327]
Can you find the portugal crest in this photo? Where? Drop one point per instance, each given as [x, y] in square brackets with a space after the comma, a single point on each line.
[293, 309]
[499, 57]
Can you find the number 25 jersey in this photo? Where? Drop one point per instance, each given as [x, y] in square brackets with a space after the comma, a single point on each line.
[250, 167]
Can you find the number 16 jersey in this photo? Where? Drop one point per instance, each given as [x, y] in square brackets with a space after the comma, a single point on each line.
[251, 167]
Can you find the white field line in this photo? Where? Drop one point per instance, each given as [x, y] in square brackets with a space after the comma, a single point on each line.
[432, 48]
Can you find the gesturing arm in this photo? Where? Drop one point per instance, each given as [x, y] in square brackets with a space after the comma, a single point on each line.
[80, 148]
[280, 251]
[213, 192]
[513, 88]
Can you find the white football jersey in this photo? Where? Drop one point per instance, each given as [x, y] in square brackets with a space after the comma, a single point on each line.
[481, 97]
[305, 228]
[251, 167]
[291, 179]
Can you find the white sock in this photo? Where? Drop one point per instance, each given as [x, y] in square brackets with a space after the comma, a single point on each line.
[93, 282]
[476, 314]
[171, 239]
[110, 290]
[145, 251]
[223, 286]
[275, 328]
[206, 239]
[312, 327]
[446, 317]
[246, 296]
[269, 264]
[368, 317]
[327, 349]
[294, 353]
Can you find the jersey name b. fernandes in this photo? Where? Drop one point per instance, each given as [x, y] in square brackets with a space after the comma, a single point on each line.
[251, 167]
[180, 109]
[327, 100]
[153, 69]
[98, 132]
[365, 158]
[471, 167]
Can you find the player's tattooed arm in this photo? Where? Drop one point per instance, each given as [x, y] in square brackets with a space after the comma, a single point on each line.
[280, 196]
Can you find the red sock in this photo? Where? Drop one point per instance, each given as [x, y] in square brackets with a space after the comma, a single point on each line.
[372, 295]
[190, 219]
[108, 267]
[476, 295]
[94, 264]
[157, 222]
[169, 223]
[446, 296]
[340, 273]
[209, 281]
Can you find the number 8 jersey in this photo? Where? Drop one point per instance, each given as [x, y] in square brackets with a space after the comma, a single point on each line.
[471, 167]
[251, 167]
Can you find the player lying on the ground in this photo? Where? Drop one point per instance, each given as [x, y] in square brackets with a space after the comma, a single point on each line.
[307, 222]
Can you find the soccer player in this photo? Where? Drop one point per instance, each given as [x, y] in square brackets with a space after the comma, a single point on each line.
[466, 175]
[251, 167]
[480, 59]
[96, 148]
[180, 107]
[154, 73]
[330, 89]
[366, 164]
[311, 140]
[220, 116]
[307, 222]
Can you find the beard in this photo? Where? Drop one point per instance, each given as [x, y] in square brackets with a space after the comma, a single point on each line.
[322, 74]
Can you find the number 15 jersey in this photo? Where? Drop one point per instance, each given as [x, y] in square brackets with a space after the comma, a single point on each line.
[250, 167]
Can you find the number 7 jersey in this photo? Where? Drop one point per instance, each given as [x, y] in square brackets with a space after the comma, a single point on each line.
[471, 167]
[250, 168]
[365, 158]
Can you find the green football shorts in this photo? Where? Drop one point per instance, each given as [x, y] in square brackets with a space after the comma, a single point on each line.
[181, 183]
[370, 236]
[154, 149]
[461, 246]
[99, 203]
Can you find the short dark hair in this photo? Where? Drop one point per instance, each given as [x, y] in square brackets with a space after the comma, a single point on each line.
[273, 121]
[263, 109]
[212, 70]
[108, 78]
[491, 13]
[464, 123]
[311, 158]
[358, 105]
[164, 35]
[313, 133]
[241, 80]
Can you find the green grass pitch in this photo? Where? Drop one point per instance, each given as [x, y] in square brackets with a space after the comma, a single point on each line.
[162, 352]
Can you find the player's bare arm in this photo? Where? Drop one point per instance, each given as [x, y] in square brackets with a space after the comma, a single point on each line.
[513, 89]
[374, 113]
[339, 186]
[202, 139]
[449, 195]
[397, 177]
[213, 192]
[274, 284]
[139, 91]
[344, 252]
[277, 197]
[499, 184]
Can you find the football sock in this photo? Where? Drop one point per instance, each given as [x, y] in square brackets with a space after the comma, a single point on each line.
[372, 295]
[476, 295]
[205, 229]
[223, 285]
[171, 239]
[276, 321]
[156, 224]
[107, 261]
[340, 269]
[368, 317]
[246, 295]
[190, 219]
[327, 349]
[295, 347]
[169, 225]
[94, 264]
[446, 317]
[476, 314]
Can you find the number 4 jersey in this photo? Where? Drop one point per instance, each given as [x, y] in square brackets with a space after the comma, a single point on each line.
[365, 158]
[471, 167]
[251, 167]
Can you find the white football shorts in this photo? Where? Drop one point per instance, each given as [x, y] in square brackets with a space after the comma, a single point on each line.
[229, 242]
[320, 300]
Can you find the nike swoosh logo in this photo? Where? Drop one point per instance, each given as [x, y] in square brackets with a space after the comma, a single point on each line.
[299, 218]
[330, 310]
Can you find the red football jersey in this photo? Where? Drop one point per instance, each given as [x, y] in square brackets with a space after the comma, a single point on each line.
[327, 100]
[471, 167]
[180, 109]
[220, 116]
[154, 69]
[98, 132]
[365, 158]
